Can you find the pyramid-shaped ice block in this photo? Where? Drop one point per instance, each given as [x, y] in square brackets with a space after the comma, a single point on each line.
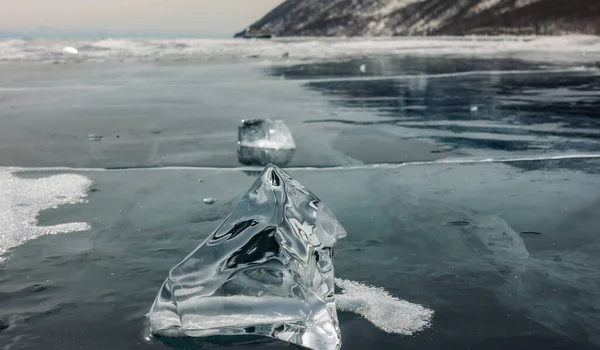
[266, 270]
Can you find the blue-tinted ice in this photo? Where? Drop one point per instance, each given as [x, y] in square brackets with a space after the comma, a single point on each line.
[267, 270]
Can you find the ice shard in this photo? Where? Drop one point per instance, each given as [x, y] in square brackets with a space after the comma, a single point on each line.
[266, 270]
[264, 141]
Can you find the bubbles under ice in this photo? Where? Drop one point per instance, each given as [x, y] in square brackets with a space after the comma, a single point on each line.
[267, 270]
[21, 200]
[385, 311]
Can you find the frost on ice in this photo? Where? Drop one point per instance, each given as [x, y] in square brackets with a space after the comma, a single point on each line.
[21, 200]
[386, 312]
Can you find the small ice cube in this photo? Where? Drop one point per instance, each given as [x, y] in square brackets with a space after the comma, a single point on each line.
[363, 68]
[209, 201]
[265, 133]
[474, 109]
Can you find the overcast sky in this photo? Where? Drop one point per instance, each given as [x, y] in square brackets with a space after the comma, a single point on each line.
[195, 16]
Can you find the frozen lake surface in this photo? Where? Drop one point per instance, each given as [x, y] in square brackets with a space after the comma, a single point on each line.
[467, 178]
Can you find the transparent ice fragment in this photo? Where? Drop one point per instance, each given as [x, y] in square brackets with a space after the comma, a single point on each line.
[265, 133]
[265, 141]
[266, 270]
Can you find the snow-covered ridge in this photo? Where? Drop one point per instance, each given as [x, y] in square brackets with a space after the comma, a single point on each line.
[576, 48]
[431, 17]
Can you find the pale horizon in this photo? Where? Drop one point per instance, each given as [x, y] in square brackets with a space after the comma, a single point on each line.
[160, 17]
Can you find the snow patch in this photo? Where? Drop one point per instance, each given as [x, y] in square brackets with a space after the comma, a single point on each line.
[21, 201]
[385, 311]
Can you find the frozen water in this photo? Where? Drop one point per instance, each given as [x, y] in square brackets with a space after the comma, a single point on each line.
[265, 133]
[21, 200]
[267, 270]
[428, 233]
[386, 312]
[264, 141]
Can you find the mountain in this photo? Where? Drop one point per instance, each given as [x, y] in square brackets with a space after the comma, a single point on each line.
[429, 17]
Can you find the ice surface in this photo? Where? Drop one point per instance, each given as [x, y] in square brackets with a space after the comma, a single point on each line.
[267, 270]
[559, 290]
[264, 141]
[21, 200]
[386, 312]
